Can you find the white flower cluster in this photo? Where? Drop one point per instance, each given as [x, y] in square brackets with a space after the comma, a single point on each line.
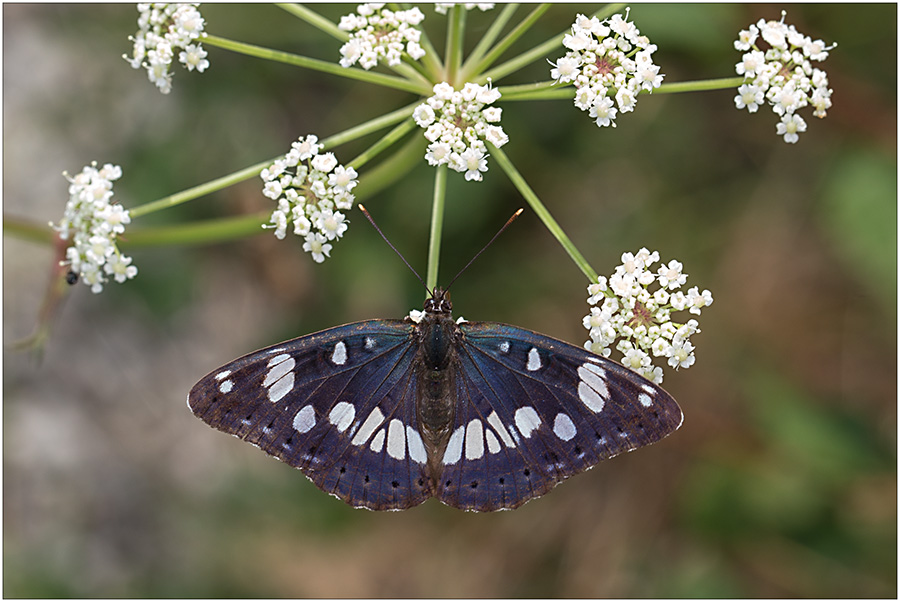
[163, 30]
[442, 7]
[625, 308]
[783, 74]
[92, 221]
[457, 122]
[607, 60]
[310, 189]
[380, 34]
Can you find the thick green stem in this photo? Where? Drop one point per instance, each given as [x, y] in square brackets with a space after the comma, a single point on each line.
[456, 25]
[534, 202]
[723, 83]
[437, 225]
[381, 79]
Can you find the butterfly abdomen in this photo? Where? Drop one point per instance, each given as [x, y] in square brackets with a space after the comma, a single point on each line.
[435, 402]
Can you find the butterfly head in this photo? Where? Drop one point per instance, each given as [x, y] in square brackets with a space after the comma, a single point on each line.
[439, 303]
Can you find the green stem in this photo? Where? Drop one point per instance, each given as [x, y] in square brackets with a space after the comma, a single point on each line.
[430, 61]
[489, 37]
[437, 226]
[386, 141]
[198, 191]
[316, 20]
[373, 125]
[456, 25]
[700, 86]
[538, 91]
[386, 173]
[196, 233]
[542, 212]
[381, 79]
[505, 43]
[27, 229]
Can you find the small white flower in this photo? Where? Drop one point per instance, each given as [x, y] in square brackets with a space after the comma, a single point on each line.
[790, 126]
[316, 244]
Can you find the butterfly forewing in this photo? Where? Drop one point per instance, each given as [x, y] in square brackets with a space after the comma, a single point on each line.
[338, 404]
[533, 411]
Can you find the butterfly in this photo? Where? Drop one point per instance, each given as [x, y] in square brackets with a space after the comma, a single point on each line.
[385, 414]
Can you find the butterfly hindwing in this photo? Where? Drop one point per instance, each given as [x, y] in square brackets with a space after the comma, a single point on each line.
[338, 404]
[533, 411]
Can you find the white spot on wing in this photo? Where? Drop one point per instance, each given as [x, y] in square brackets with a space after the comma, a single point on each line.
[563, 427]
[474, 440]
[396, 440]
[339, 356]
[278, 359]
[454, 447]
[589, 397]
[342, 415]
[492, 442]
[368, 427]
[377, 442]
[494, 421]
[223, 374]
[277, 371]
[370, 343]
[504, 347]
[226, 386]
[527, 420]
[282, 387]
[534, 360]
[592, 388]
[645, 400]
[415, 445]
[305, 419]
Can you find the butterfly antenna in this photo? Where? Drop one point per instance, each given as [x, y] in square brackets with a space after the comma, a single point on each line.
[490, 242]
[377, 229]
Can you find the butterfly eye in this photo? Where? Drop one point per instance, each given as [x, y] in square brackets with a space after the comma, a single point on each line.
[445, 306]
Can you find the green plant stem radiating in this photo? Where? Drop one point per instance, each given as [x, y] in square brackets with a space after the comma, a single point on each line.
[437, 225]
[534, 202]
[389, 81]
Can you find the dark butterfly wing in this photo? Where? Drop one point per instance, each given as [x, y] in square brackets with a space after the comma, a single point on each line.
[533, 411]
[338, 404]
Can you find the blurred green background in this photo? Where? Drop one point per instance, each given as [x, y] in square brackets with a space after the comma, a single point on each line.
[782, 481]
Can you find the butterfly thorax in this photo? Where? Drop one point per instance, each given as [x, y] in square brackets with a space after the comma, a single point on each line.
[435, 403]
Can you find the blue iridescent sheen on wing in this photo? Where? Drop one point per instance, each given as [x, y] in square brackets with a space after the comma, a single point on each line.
[496, 387]
[368, 367]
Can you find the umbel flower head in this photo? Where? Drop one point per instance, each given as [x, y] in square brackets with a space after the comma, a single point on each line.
[457, 122]
[92, 221]
[635, 305]
[610, 63]
[311, 189]
[782, 75]
[380, 34]
[167, 31]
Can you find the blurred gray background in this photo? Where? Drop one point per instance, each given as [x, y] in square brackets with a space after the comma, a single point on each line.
[782, 481]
